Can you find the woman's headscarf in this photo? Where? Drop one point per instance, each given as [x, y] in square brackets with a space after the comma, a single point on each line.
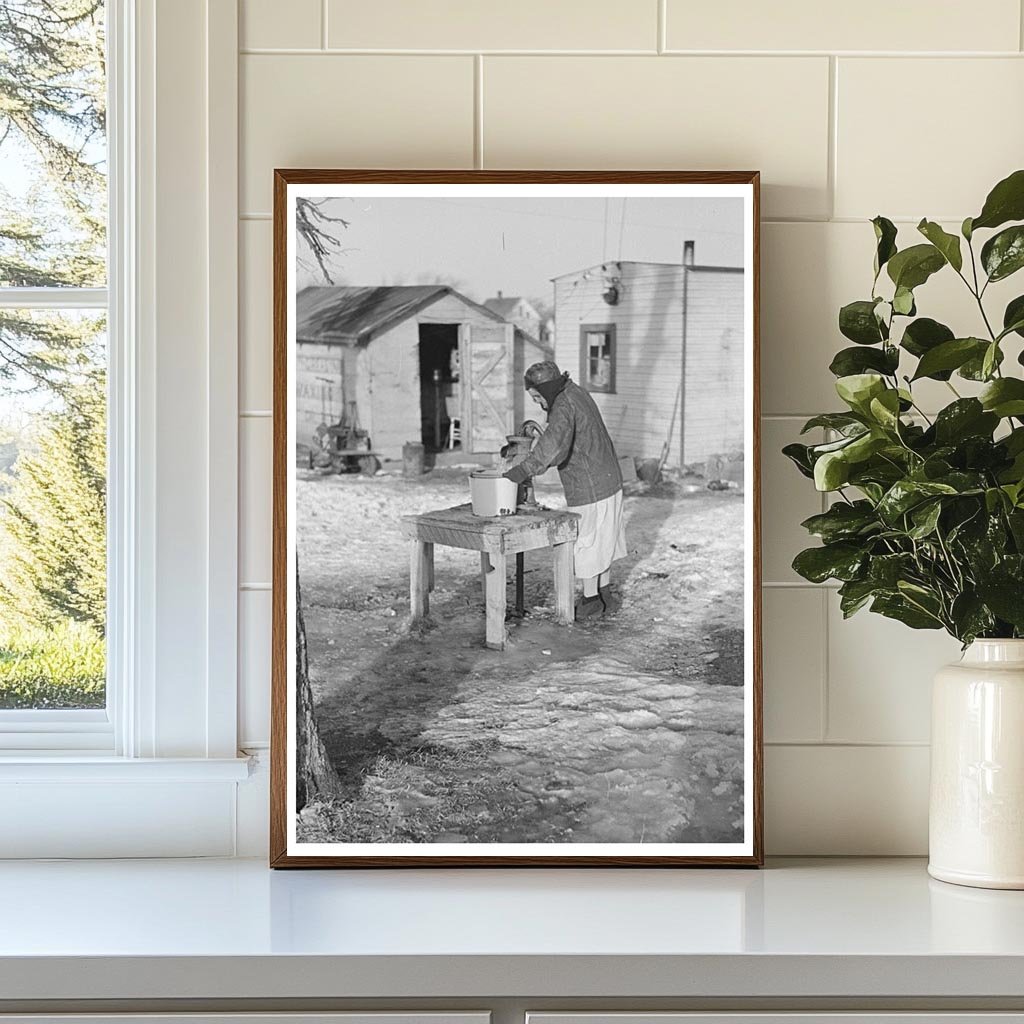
[547, 380]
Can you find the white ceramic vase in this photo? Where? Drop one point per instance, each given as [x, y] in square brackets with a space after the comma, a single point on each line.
[976, 813]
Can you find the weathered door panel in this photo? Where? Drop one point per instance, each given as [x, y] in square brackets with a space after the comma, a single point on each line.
[485, 355]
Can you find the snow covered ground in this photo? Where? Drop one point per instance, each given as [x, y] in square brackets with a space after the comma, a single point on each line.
[627, 729]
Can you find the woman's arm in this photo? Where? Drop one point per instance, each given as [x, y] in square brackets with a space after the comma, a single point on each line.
[553, 447]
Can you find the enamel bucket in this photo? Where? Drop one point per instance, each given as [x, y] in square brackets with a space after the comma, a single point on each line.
[492, 494]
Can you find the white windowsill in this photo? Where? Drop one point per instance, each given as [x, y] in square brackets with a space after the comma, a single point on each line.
[79, 766]
[194, 931]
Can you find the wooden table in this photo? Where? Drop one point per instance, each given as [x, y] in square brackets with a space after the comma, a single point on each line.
[495, 539]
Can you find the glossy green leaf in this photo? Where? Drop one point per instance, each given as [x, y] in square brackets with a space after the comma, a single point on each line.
[971, 616]
[887, 570]
[885, 238]
[858, 389]
[925, 518]
[903, 302]
[990, 360]
[1003, 254]
[854, 594]
[862, 448]
[974, 368]
[1013, 316]
[950, 355]
[966, 229]
[799, 455]
[911, 267]
[849, 361]
[1004, 397]
[947, 244]
[923, 335]
[842, 521]
[857, 321]
[841, 421]
[831, 471]
[964, 418]
[1005, 596]
[904, 495]
[885, 409]
[1005, 202]
[842, 561]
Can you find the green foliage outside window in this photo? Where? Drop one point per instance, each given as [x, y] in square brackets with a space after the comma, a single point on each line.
[52, 365]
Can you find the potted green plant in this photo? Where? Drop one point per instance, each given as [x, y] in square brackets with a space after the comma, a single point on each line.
[926, 524]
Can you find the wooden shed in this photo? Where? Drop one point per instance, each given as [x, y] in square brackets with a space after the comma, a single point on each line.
[649, 338]
[402, 361]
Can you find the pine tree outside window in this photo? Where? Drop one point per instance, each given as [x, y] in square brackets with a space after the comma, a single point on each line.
[53, 367]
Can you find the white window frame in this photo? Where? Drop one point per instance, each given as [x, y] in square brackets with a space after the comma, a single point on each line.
[71, 729]
[172, 509]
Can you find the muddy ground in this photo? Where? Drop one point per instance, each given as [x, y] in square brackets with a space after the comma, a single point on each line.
[629, 729]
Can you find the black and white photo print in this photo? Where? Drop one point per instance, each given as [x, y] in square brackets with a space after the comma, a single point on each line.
[516, 560]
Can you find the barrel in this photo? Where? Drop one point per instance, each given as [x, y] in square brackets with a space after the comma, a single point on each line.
[412, 458]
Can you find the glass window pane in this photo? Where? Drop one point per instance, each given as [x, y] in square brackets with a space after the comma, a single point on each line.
[53, 150]
[52, 509]
[599, 359]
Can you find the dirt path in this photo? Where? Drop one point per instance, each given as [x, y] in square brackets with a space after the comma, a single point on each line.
[625, 730]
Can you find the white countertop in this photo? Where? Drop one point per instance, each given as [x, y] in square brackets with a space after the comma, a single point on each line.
[234, 929]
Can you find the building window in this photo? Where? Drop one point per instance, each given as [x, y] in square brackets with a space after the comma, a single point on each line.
[53, 359]
[597, 357]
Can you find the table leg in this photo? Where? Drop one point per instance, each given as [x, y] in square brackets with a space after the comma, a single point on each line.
[485, 568]
[496, 581]
[428, 554]
[520, 584]
[419, 600]
[564, 612]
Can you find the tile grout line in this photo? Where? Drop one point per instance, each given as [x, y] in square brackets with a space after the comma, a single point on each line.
[824, 724]
[1020, 25]
[662, 27]
[852, 744]
[323, 24]
[785, 221]
[478, 111]
[298, 51]
[831, 171]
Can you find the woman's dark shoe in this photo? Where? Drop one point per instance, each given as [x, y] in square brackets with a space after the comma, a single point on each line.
[612, 602]
[589, 608]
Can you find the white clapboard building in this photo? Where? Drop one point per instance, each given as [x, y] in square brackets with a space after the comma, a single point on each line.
[661, 348]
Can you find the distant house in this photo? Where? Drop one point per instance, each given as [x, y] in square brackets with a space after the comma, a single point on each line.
[516, 310]
[649, 338]
[402, 361]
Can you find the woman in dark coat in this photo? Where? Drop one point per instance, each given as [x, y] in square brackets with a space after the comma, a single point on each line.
[577, 442]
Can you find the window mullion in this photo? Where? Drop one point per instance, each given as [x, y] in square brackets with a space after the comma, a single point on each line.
[53, 298]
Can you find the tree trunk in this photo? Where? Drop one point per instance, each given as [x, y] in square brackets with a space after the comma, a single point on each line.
[315, 778]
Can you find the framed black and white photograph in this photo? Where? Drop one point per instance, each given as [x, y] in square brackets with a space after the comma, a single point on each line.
[516, 554]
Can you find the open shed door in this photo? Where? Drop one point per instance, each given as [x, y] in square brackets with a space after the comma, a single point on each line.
[485, 357]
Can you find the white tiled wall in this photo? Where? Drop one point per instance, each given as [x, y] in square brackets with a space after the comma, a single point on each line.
[905, 109]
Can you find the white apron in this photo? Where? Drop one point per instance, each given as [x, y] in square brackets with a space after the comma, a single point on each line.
[602, 536]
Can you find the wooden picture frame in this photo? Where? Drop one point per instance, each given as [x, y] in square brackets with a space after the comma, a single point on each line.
[320, 836]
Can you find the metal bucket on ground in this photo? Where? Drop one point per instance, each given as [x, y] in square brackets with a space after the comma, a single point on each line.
[492, 494]
[412, 458]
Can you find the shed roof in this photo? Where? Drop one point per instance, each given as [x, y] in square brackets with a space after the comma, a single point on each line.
[344, 312]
